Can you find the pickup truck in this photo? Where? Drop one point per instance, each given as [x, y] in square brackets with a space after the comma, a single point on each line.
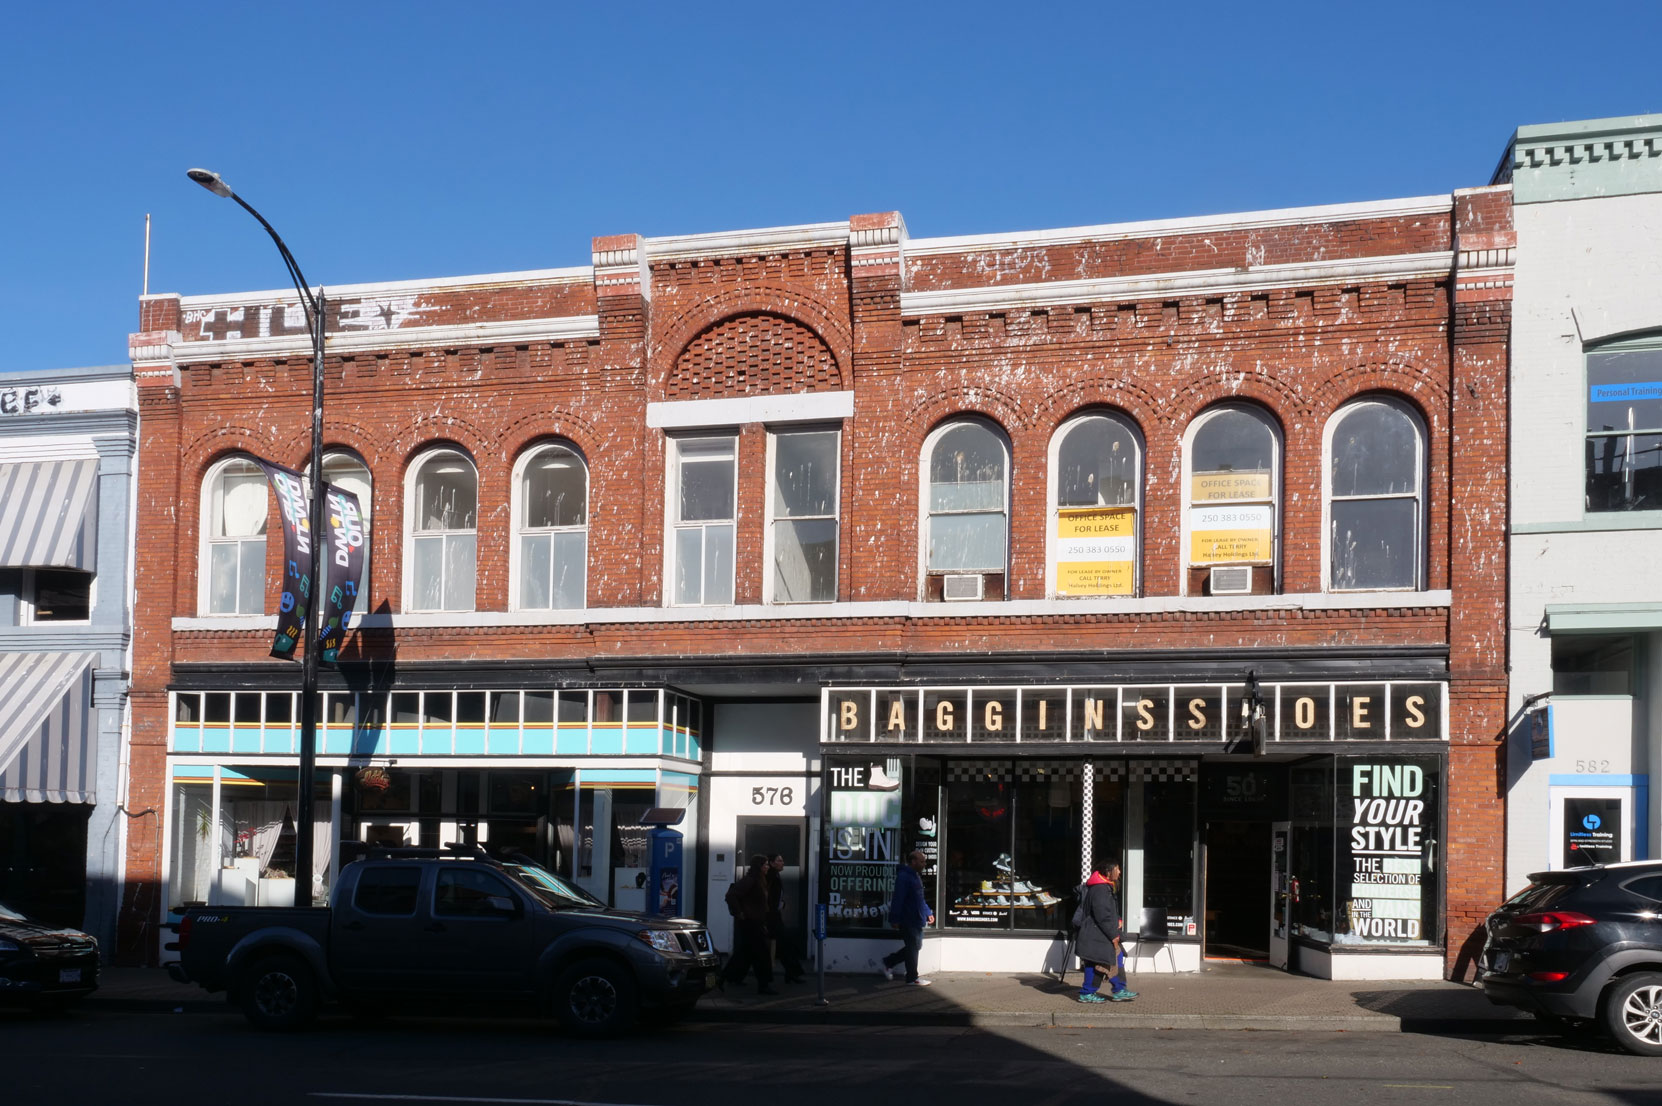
[408, 926]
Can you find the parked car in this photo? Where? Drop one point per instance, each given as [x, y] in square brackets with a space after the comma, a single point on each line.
[409, 927]
[1583, 946]
[45, 966]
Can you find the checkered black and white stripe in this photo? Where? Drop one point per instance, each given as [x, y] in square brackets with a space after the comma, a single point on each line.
[981, 771]
[1147, 771]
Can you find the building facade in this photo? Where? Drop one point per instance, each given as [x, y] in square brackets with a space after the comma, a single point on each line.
[67, 441]
[1586, 592]
[1173, 544]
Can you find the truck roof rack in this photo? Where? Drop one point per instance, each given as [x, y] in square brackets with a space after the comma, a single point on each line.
[352, 851]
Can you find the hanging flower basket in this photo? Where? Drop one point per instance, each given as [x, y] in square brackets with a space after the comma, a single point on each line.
[372, 779]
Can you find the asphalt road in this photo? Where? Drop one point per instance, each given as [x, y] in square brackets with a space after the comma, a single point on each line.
[137, 1059]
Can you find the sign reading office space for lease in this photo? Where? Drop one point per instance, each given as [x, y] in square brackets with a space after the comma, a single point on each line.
[1220, 534]
[1096, 551]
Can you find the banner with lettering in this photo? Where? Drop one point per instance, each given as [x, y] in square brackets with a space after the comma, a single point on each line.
[1387, 843]
[290, 489]
[346, 544]
[864, 839]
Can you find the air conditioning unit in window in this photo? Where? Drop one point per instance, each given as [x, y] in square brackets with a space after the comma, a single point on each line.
[961, 585]
[1231, 580]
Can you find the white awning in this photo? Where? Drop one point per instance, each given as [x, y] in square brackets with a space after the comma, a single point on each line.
[49, 514]
[48, 733]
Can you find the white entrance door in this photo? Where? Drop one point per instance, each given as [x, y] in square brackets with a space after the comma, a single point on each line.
[1281, 836]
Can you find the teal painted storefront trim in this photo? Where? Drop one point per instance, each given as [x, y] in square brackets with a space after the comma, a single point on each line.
[1569, 618]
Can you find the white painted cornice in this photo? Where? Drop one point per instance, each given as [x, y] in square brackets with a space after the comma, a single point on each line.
[531, 278]
[1154, 228]
[681, 414]
[1176, 285]
[564, 329]
[746, 243]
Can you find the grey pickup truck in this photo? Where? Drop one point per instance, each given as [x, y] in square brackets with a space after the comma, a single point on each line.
[455, 929]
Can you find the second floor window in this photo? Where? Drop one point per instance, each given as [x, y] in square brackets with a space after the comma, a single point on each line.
[1233, 496]
[968, 523]
[234, 521]
[1097, 469]
[443, 517]
[1624, 426]
[552, 516]
[803, 507]
[703, 516]
[1376, 513]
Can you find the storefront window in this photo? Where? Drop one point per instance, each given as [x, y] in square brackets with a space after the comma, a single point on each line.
[1311, 888]
[243, 852]
[1045, 850]
[1388, 825]
[1169, 846]
[1108, 814]
[865, 834]
[980, 870]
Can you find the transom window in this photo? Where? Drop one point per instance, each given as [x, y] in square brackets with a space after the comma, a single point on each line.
[803, 499]
[1233, 497]
[552, 516]
[233, 544]
[1624, 426]
[703, 516]
[443, 519]
[967, 465]
[1096, 467]
[1376, 503]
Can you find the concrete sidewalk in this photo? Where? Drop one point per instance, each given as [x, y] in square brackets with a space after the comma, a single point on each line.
[1223, 996]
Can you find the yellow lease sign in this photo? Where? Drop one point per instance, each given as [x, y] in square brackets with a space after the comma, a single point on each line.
[1214, 487]
[1096, 551]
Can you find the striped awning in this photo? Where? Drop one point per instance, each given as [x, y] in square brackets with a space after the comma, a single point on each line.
[48, 733]
[49, 514]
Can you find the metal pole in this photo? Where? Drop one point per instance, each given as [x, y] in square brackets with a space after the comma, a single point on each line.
[303, 845]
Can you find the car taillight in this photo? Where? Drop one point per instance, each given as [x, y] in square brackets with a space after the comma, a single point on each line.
[1549, 977]
[1550, 920]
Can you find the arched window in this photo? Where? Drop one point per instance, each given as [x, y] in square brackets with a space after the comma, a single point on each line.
[967, 468]
[1375, 497]
[232, 572]
[1096, 465]
[551, 520]
[442, 514]
[1233, 500]
[348, 472]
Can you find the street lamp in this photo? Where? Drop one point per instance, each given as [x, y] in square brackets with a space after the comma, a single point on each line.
[313, 305]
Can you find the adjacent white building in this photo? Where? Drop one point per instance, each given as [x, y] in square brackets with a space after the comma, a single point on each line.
[1585, 738]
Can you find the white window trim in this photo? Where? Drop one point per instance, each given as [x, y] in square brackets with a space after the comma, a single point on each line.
[1278, 466]
[204, 544]
[518, 528]
[769, 519]
[1420, 494]
[26, 604]
[925, 515]
[1053, 509]
[407, 551]
[672, 511]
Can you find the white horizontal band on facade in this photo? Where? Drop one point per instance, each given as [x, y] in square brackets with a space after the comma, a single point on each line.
[681, 414]
[1414, 266]
[1149, 228]
[530, 278]
[562, 329]
[744, 243]
[1011, 608]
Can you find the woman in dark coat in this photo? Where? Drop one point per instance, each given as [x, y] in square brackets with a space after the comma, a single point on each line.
[749, 900]
[1098, 944]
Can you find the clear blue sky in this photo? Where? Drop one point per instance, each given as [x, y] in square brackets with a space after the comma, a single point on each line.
[391, 141]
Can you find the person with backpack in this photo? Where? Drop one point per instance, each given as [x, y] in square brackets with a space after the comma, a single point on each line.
[747, 902]
[1098, 945]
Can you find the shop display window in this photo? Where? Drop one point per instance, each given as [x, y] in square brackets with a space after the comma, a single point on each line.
[1169, 849]
[979, 880]
[1311, 866]
[1388, 822]
[1108, 822]
[1045, 847]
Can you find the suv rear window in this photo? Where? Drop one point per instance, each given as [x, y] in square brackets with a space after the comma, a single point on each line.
[387, 890]
[1539, 896]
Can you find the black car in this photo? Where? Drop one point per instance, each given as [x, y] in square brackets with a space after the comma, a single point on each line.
[42, 965]
[1583, 946]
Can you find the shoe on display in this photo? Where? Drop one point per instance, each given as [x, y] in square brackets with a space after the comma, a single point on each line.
[884, 777]
[1092, 996]
[921, 982]
[888, 973]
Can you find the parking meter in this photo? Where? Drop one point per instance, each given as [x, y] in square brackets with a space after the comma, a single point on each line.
[663, 871]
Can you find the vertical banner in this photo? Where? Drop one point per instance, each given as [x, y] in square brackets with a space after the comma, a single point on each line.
[290, 488]
[346, 544]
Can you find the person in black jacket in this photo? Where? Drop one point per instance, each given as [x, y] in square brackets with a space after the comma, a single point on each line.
[1098, 944]
[778, 933]
[748, 899]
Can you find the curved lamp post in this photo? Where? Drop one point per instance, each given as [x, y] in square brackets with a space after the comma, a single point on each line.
[313, 305]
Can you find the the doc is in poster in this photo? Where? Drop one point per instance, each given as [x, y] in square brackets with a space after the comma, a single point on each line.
[864, 839]
[1388, 821]
[290, 489]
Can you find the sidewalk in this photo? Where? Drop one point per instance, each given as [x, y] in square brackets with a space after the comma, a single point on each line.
[1224, 996]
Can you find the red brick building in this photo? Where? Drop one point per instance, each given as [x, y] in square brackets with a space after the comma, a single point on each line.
[850, 542]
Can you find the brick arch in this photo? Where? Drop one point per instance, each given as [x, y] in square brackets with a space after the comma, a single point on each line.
[825, 319]
[540, 426]
[1425, 393]
[207, 450]
[1207, 390]
[429, 431]
[1001, 405]
[1078, 397]
[759, 353]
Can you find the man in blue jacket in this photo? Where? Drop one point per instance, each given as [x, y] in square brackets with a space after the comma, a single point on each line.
[909, 912]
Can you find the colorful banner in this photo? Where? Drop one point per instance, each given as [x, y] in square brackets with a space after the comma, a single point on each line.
[1096, 550]
[346, 546]
[290, 489]
[1230, 535]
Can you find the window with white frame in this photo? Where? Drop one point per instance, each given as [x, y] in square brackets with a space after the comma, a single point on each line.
[551, 518]
[802, 504]
[1624, 426]
[1232, 498]
[967, 467]
[1096, 492]
[1375, 497]
[703, 514]
[233, 539]
[36, 596]
[349, 473]
[443, 499]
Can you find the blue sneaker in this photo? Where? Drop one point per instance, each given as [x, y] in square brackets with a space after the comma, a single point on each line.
[1092, 996]
[1123, 996]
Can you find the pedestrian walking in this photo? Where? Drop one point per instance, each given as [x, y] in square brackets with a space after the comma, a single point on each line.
[1099, 945]
[747, 900]
[909, 912]
[779, 935]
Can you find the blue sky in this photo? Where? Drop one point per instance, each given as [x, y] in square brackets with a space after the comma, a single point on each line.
[392, 141]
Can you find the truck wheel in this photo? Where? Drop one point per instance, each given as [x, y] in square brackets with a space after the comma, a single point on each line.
[595, 998]
[279, 993]
[1633, 1013]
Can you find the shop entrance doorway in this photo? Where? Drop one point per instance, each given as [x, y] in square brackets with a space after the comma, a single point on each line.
[768, 837]
[1237, 908]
